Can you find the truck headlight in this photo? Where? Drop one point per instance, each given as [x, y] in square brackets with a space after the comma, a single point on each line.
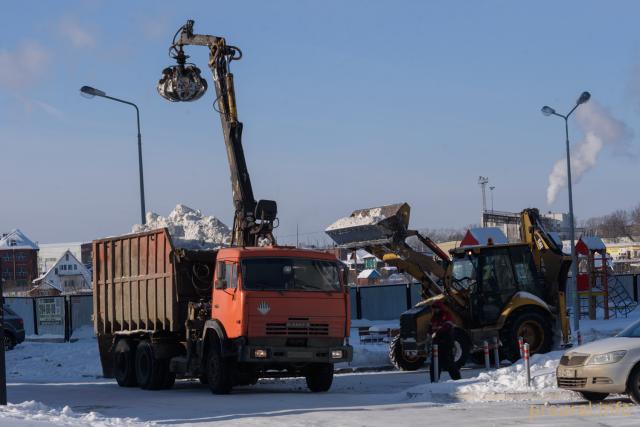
[336, 354]
[605, 358]
[260, 353]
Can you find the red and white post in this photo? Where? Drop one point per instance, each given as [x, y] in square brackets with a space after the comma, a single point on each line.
[487, 360]
[527, 366]
[436, 365]
[521, 346]
[496, 352]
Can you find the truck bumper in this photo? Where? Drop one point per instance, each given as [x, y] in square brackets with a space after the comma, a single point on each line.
[269, 354]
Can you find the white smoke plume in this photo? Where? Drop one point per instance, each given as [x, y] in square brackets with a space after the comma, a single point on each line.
[600, 130]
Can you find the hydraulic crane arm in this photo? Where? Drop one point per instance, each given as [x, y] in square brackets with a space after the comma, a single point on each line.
[253, 221]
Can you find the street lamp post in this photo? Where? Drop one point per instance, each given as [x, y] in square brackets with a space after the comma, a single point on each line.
[90, 92]
[548, 111]
[492, 188]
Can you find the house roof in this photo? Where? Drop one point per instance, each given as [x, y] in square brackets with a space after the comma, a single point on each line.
[16, 239]
[50, 277]
[361, 255]
[369, 274]
[593, 243]
[481, 236]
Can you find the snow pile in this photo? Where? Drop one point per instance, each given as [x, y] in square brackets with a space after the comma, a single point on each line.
[512, 379]
[371, 217]
[46, 361]
[34, 413]
[189, 228]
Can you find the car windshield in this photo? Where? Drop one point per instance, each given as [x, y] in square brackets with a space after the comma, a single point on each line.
[631, 331]
[286, 274]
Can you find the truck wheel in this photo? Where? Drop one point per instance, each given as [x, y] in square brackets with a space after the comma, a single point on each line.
[218, 371]
[168, 377]
[124, 363]
[533, 326]
[319, 377]
[400, 360]
[149, 372]
[593, 396]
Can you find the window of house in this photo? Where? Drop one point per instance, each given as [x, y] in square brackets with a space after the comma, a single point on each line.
[75, 266]
[12, 242]
[66, 257]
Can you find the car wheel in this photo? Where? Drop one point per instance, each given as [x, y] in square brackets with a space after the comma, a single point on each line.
[593, 396]
[9, 341]
[633, 385]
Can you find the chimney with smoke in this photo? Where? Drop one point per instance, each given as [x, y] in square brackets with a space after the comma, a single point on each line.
[600, 130]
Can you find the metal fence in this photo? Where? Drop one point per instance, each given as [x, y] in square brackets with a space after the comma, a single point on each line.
[387, 302]
[53, 316]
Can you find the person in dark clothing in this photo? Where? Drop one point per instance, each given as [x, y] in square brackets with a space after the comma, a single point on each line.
[441, 328]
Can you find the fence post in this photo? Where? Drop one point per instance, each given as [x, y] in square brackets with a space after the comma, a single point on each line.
[358, 303]
[487, 361]
[579, 337]
[521, 346]
[635, 287]
[496, 351]
[436, 365]
[527, 366]
[408, 295]
[35, 316]
[67, 320]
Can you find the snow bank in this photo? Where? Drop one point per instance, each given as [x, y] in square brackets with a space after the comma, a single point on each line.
[35, 413]
[189, 228]
[55, 362]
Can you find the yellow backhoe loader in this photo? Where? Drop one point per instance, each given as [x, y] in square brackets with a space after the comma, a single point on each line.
[496, 290]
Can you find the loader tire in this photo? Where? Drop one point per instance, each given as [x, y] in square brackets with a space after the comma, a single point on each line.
[124, 369]
[319, 377]
[402, 361]
[461, 347]
[531, 324]
[218, 370]
[149, 370]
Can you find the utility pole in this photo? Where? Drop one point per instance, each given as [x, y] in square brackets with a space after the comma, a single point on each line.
[483, 181]
[297, 235]
[491, 188]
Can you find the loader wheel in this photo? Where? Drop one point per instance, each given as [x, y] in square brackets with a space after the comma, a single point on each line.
[319, 377]
[461, 347]
[124, 364]
[218, 370]
[400, 360]
[533, 326]
[149, 370]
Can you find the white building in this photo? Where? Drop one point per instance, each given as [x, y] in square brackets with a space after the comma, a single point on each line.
[50, 253]
[67, 276]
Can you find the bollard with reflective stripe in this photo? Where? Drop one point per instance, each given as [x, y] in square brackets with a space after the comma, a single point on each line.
[496, 352]
[521, 346]
[487, 361]
[436, 366]
[527, 366]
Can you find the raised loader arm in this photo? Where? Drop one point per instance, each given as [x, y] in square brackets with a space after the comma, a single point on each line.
[253, 222]
[550, 261]
[383, 231]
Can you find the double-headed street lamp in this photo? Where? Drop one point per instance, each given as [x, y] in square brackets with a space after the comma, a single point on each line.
[90, 92]
[548, 111]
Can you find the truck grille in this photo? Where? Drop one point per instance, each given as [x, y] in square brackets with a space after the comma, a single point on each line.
[573, 361]
[571, 382]
[297, 327]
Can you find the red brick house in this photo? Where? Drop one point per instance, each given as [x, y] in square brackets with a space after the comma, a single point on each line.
[18, 263]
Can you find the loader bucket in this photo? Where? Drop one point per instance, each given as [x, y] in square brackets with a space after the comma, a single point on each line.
[371, 226]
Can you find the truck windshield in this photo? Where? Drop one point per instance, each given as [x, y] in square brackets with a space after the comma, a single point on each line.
[284, 274]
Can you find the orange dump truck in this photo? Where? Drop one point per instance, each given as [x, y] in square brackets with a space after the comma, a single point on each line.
[226, 317]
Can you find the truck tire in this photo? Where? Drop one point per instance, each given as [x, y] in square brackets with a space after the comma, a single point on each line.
[402, 361]
[218, 370]
[319, 377]
[169, 378]
[149, 370]
[124, 369]
[534, 326]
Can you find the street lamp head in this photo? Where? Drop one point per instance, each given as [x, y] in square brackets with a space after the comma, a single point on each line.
[584, 97]
[90, 92]
[547, 111]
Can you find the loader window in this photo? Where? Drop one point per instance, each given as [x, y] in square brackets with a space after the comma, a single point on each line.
[464, 273]
[290, 274]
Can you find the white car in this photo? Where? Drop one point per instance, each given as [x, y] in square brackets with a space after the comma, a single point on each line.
[599, 368]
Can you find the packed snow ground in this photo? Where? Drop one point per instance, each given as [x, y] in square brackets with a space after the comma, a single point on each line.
[189, 228]
[61, 384]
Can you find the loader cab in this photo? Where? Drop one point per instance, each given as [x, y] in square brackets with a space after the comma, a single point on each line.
[489, 277]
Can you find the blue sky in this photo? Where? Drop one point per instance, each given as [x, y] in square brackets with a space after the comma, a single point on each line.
[345, 105]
